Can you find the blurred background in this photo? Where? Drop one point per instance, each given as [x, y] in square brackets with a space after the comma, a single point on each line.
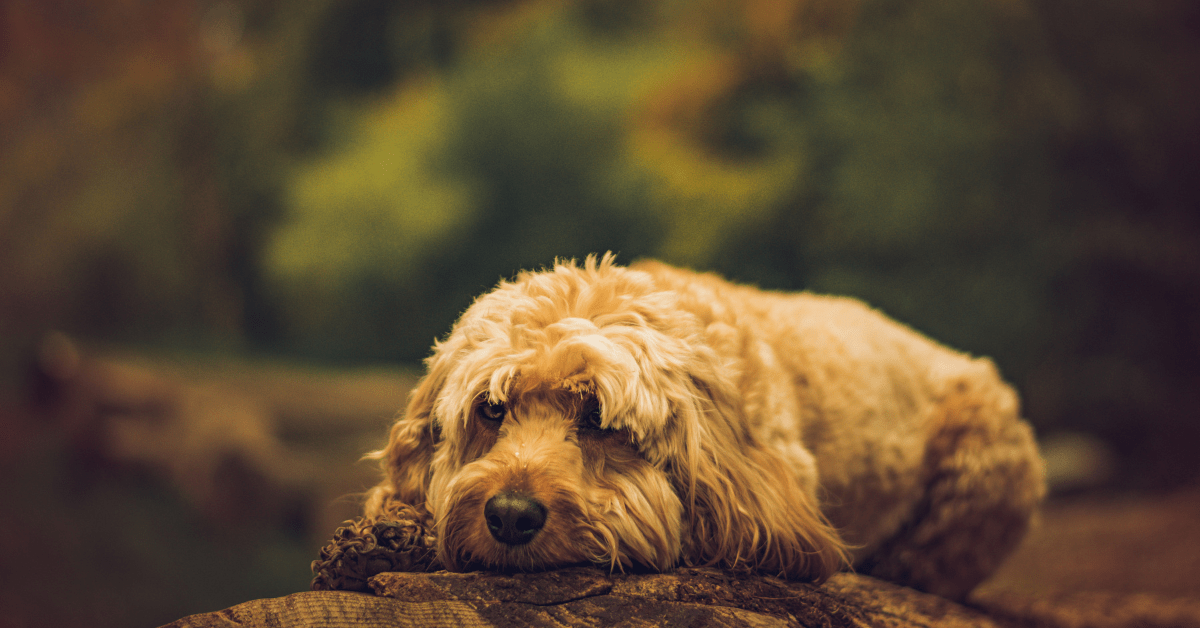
[230, 231]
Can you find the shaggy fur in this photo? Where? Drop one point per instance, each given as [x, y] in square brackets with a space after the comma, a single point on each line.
[664, 417]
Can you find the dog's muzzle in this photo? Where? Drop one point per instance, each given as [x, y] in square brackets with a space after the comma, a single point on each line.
[514, 518]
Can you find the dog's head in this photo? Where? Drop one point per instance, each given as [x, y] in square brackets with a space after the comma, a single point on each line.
[580, 414]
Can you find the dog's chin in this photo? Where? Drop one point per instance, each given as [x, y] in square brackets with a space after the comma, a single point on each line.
[570, 537]
[493, 556]
[464, 544]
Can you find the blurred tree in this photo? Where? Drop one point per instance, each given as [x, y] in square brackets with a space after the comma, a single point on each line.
[557, 131]
[926, 190]
[1125, 357]
[443, 188]
[93, 98]
[994, 174]
[339, 179]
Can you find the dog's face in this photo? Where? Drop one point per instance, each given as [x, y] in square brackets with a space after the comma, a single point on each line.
[581, 415]
[541, 479]
[554, 418]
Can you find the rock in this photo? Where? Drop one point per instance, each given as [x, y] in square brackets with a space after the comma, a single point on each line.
[585, 596]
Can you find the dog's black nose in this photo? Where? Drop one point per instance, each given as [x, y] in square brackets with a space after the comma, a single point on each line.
[514, 518]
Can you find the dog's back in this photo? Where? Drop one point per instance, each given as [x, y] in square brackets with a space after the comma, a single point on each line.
[916, 452]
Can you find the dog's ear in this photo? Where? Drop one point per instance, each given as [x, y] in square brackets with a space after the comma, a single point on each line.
[745, 505]
[406, 458]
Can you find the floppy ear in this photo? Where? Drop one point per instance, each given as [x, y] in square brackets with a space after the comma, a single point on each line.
[745, 505]
[406, 458]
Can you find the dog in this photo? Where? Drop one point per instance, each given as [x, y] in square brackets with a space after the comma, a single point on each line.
[649, 417]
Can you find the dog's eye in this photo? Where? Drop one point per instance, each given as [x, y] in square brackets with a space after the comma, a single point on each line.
[493, 412]
[590, 419]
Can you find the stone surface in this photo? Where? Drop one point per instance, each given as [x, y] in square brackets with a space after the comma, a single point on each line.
[590, 597]
[685, 597]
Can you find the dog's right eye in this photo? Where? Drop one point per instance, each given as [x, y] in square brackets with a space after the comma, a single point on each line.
[590, 418]
[493, 412]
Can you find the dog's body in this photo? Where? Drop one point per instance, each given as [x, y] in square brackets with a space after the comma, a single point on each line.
[650, 416]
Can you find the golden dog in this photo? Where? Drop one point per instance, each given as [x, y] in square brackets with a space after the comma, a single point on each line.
[649, 417]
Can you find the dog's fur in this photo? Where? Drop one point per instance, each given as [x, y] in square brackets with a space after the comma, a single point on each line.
[792, 434]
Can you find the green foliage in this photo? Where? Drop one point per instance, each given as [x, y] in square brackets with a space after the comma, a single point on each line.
[1010, 176]
[950, 163]
[454, 181]
[894, 171]
[924, 195]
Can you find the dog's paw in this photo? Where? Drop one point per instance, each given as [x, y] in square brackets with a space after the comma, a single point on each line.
[399, 539]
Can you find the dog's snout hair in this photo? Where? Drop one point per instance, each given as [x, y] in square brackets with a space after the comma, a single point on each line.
[654, 417]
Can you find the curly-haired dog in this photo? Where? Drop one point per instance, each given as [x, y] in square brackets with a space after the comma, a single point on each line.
[651, 417]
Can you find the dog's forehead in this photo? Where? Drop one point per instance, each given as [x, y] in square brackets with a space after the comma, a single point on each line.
[539, 299]
[612, 334]
[574, 356]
